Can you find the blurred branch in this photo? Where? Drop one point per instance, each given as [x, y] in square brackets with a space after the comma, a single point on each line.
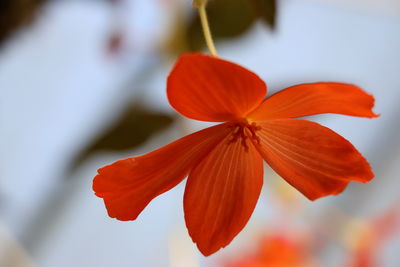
[12, 254]
[127, 126]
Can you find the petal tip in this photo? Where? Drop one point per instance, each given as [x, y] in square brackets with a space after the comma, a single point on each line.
[374, 115]
[336, 192]
[207, 252]
[368, 178]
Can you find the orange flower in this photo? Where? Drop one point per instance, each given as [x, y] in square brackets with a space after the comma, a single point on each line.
[224, 163]
[372, 238]
[278, 250]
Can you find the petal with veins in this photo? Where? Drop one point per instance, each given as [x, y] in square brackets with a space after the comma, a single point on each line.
[206, 88]
[312, 158]
[128, 185]
[315, 98]
[221, 194]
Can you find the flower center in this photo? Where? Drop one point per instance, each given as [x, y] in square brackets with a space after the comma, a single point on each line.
[245, 131]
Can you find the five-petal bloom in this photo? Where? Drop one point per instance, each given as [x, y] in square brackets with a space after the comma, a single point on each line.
[224, 163]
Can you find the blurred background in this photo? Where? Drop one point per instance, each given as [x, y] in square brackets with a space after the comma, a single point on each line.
[82, 84]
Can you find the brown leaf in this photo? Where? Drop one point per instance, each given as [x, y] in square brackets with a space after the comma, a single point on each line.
[15, 14]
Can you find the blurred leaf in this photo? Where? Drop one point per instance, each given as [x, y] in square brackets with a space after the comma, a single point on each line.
[227, 19]
[16, 13]
[265, 10]
[132, 129]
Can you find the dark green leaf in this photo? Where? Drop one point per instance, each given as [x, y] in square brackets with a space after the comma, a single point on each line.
[266, 10]
[227, 19]
[132, 129]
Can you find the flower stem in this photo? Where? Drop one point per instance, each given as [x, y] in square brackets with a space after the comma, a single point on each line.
[206, 28]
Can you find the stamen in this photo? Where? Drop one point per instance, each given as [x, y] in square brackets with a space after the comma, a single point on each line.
[241, 131]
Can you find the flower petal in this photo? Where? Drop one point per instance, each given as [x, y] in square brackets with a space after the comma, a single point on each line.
[311, 157]
[315, 98]
[207, 88]
[128, 185]
[221, 194]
